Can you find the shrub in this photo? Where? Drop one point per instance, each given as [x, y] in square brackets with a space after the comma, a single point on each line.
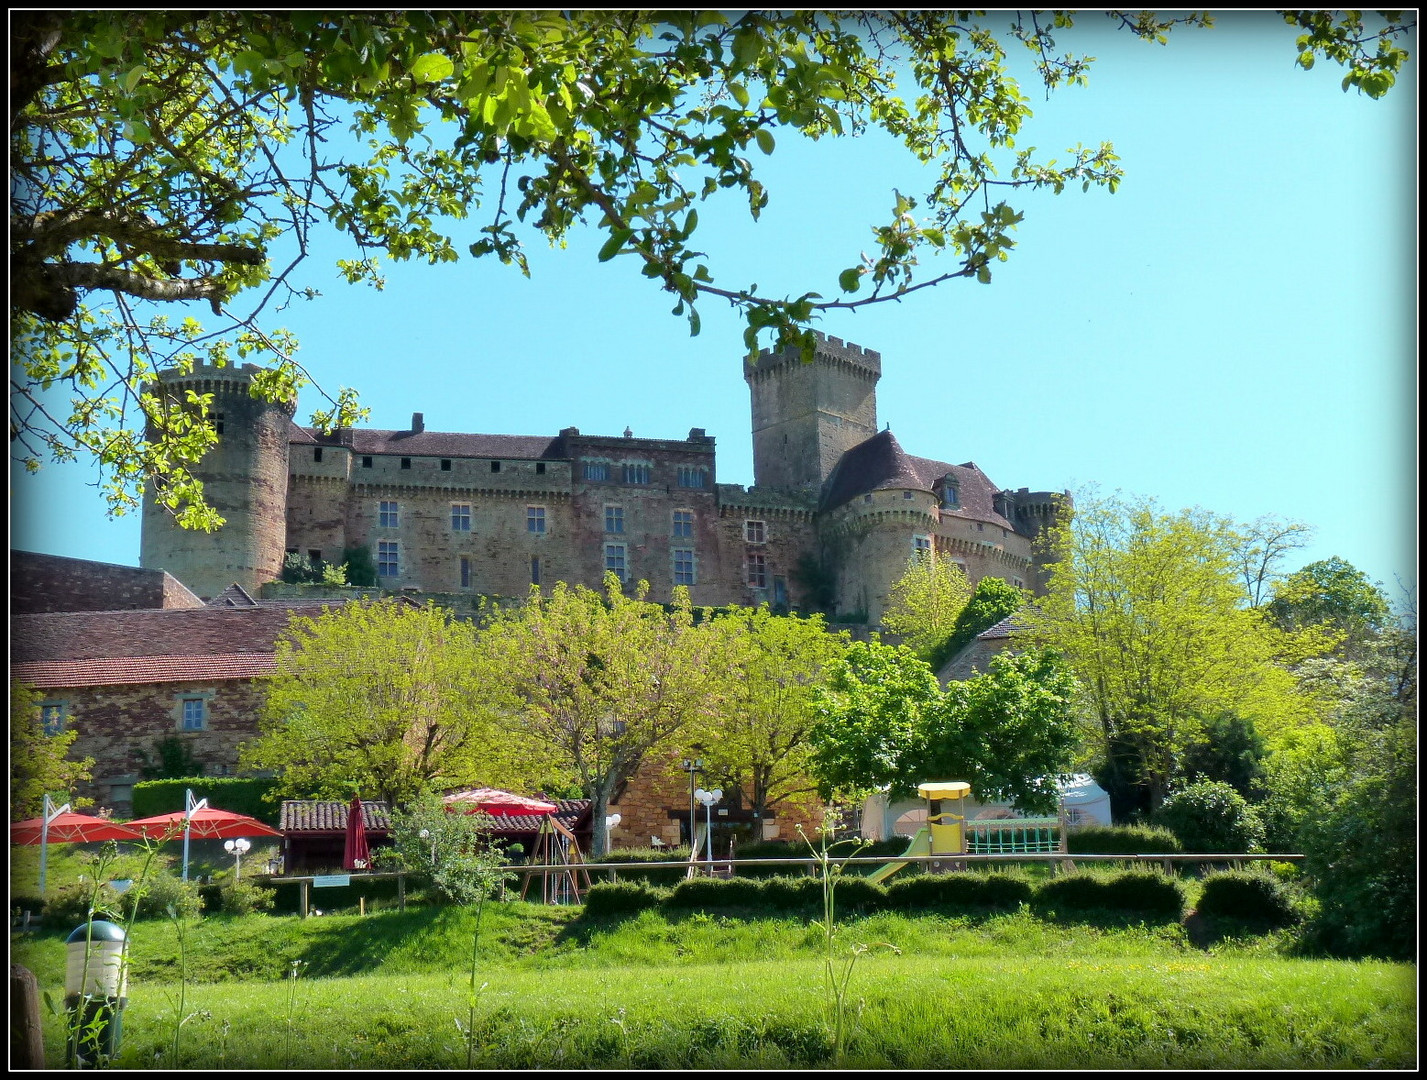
[621, 898]
[636, 858]
[702, 893]
[244, 898]
[958, 891]
[68, 906]
[242, 795]
[792, 893]
[1236, 894]
[1210, 816]
[1122, 840]
[161, 891]
[1135, 890]
[856, 893]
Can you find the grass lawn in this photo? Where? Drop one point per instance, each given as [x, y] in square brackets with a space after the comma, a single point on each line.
[732, 990]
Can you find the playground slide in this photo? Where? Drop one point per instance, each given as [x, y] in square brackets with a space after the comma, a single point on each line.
[921, 845]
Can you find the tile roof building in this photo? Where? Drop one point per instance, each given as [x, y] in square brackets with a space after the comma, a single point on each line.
[836, 510]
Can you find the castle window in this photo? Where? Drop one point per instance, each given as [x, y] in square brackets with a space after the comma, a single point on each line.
[614, 560]
[867, 498]
[635, 474]
[52, 717]
[755, 532]
[495, 466]
[217, 420]
[535, 569]
[614, 519]
[314, 556]
[194, 714]
[596, 470]
[683, 523]
[921, 545]
[540, 468]
[388, 515]
[406, 463]
[908, 494]
[445, 464]
[460, 517]
[388, 558]
[683, 566]
[317, 453]
[757, 570]
[692, 476]
[1018, 583]
[465, 572]
[980, 526]
[780, 592]
[950, 499]
[535, 520]
[366, 461]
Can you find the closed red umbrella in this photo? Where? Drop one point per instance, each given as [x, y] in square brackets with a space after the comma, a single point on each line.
[496, 802]
[355, 854]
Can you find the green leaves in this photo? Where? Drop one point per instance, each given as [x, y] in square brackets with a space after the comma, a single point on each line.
[432, 68]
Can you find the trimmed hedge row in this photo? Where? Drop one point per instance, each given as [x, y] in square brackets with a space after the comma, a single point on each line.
[1122, 840]
[240, 794]
[1242, 894]
[1148, 892]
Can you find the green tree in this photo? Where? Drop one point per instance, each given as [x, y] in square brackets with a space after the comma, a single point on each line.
[925, 602]
[1231, 751]
[1150, 611]
[165, 159]
[382, 696]
[1333, 594]
[39, 762]
[455, 850]
[885, 722]
[992, 600]
[758, 743]
[592, 683]
[1210, 816]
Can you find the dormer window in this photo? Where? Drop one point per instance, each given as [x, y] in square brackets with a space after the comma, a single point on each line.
[950, 495]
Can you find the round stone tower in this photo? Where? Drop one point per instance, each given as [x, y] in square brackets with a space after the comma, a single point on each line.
[244, 479]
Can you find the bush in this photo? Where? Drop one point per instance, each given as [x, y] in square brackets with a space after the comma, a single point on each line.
[1134, 891]
[703, 893]
[244, 898]
[958, 891]
[1237, 894]
[636, 860]
[1210, 816]
[855, 893]
[241, 795]
[792, 893]
[621, 898]
[68, 906]
[163, 890]
[1122, 840]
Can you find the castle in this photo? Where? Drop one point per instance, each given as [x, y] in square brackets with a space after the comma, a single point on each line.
[836, 510]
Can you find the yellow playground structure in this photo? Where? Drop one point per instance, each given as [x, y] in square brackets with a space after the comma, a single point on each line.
[947, 832]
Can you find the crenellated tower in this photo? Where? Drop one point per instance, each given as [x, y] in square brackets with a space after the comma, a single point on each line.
[806, 416]
[244, 479]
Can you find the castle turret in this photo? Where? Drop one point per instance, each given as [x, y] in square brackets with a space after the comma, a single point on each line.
[806, 416]
[244, 479]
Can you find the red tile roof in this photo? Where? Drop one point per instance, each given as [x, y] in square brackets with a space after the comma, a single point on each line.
[158, 634]
[320, 816]
[123, 671]
[438, 443]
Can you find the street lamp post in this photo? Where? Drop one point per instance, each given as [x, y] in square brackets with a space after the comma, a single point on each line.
[237, 848]
[692, 767]
[708, 798]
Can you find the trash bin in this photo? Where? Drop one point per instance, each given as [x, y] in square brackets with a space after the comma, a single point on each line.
[95, 992]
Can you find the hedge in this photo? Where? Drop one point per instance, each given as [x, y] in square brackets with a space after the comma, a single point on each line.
[240, 794]
[1252, 897]
[958, 891]
[1122, 840]
[1142, 891]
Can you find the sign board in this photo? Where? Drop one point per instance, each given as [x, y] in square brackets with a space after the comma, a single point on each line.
[331, 881]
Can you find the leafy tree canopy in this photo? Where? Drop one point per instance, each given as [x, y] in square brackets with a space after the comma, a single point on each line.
[925, 602]
[1331, 593]
[885, 722]
[162, 159]
[385, 699]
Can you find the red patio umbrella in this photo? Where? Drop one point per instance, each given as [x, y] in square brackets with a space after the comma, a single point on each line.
[496, 802]
[205, 823]
[355, 854]
[70, 828]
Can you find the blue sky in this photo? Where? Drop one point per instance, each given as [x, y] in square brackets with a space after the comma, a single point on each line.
[1235, 328]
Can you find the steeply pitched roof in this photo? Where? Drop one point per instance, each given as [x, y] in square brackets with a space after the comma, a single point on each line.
[315, 816]
[438, 443]
[42, 583]
[880, 463]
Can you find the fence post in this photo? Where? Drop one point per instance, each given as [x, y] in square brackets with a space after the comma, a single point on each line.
[27, 1045]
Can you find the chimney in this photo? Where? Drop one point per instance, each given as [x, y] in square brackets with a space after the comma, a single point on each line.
[418, 423]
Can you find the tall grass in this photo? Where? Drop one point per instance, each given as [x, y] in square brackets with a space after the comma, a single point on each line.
[713, 991]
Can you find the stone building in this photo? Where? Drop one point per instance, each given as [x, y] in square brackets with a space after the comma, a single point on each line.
[836, 509]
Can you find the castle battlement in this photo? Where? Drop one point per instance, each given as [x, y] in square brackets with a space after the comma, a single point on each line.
[829, 349]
